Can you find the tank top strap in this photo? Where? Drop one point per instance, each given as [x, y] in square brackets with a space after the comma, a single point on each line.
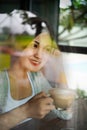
[3, 89]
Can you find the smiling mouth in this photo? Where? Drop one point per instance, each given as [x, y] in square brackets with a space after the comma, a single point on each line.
[35, 62]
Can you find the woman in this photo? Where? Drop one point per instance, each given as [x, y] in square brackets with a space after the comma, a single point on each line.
[25, 87]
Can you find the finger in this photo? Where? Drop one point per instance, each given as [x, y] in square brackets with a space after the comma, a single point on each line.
[46, 111]
[49, 107]
[48, 100]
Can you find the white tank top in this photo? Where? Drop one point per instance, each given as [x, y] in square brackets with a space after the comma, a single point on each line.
[12, 103]
[38, 84]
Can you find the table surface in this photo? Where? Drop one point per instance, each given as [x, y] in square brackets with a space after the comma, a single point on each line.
[51, 122]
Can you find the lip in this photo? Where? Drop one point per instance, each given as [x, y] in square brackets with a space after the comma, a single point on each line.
[34, 62]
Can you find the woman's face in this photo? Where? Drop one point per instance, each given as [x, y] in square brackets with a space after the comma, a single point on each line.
[36, 54]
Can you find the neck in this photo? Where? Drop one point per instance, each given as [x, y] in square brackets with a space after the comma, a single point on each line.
[18, 70]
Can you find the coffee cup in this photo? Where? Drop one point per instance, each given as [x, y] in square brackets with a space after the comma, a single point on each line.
[63, 97]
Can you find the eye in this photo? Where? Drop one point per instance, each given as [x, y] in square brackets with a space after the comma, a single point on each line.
[48, 49]
[35, 45]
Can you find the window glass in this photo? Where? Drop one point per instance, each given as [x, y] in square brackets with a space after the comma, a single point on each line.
[73, 23]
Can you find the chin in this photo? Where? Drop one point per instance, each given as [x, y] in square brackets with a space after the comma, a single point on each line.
[35, 69]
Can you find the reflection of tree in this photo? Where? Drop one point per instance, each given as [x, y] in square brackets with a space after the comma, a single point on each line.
[37, 21]
[33, 21]
[71, 17]
[81, 93]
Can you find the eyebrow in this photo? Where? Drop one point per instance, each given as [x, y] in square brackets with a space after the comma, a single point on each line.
[37, 42]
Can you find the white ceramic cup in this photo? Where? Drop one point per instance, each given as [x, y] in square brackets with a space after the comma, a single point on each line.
[63, 97]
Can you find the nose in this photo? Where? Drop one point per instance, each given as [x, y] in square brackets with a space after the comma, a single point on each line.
[38, 53]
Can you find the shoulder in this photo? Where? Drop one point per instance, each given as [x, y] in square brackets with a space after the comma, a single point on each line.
[3, 74]
[3, 89]
[3, 78]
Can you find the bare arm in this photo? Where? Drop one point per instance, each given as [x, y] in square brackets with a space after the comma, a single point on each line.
[37, 107]
[12, 118]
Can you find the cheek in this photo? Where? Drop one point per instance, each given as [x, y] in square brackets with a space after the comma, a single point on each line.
[28, 52]
[45, 59]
